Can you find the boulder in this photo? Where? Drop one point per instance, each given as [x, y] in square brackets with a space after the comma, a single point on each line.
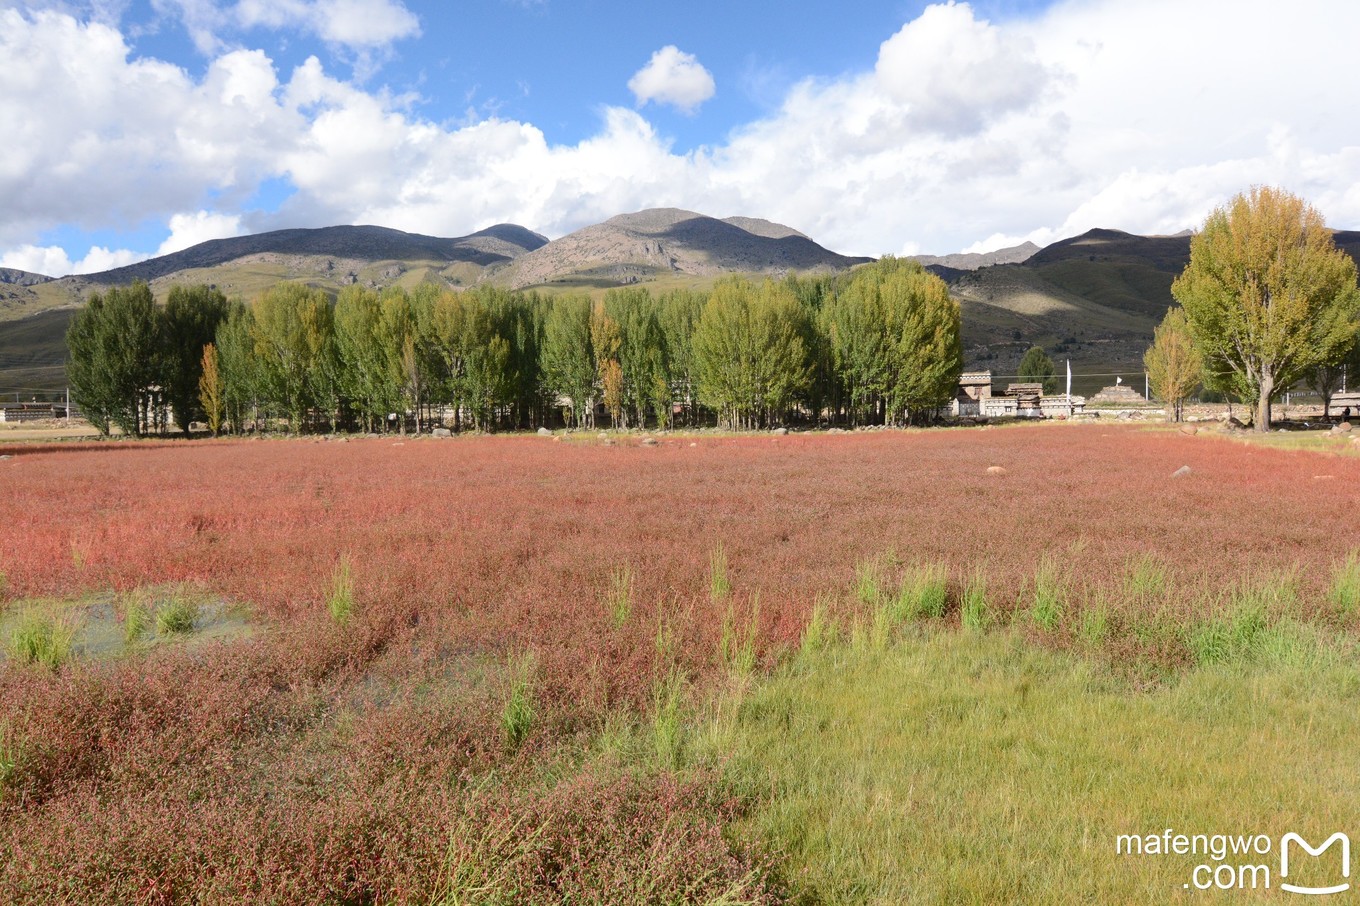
[1343, 428]
[442, 432]
[996, 470]
[544, 432]
[1182, 472]
[781, 431]
[1189, 429]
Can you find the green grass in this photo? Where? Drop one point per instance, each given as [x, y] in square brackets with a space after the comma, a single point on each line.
[619, 598]
[177, 616]
[975, 613]
[11, 757]
[38, 638]
[719, 585]
[340, 600]
[1049, 599]
[923, 594]
[978, 768]
[1345, 591]
[136, 618]
[667, 726]
[737, 641]
[517, 717]
[1145, 579]
[821, 629]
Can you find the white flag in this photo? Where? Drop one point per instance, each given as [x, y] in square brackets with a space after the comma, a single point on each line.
[1069, 378]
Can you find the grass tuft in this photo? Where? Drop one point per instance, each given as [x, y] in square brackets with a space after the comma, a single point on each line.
[620, 596]
[136, 617]
[517, 717]
[1095, 624]
[1345, 590]
[737, 644]
[340, 601]
[868, 581]
[667, 727]
[40, 639]
[975, 613]
[820, 631]
[177, 616]
[1050, 596]
[924, 592]
[1145, 579]
[719, 586]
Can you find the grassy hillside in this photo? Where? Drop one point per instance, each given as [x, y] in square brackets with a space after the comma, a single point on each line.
[33, 355]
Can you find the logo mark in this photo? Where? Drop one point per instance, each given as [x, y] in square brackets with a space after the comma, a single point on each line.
[1318, 891]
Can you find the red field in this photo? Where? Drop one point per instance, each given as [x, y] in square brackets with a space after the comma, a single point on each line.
[316, 762]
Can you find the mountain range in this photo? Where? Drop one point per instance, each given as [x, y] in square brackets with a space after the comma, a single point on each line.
[1093, 299]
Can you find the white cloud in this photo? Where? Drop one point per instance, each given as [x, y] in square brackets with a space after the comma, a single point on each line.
[52, 260]
[1094, 114]
[359, 25]
[672, 77]
[956, 73]
[187, 230]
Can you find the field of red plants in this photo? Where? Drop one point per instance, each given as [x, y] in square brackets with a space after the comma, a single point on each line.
[366, 760]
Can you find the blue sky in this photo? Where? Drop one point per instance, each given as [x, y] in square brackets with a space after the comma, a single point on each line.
[147, 125]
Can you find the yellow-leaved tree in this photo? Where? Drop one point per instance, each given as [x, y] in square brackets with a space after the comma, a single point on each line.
[1267, 295]
[1173, 363]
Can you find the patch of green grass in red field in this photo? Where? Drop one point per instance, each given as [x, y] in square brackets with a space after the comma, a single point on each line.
[328, 760]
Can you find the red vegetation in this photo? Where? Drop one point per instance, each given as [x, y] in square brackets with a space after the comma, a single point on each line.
[320, 763]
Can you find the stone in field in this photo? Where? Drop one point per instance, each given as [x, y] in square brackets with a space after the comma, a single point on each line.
[1182, 472]
[996, 470]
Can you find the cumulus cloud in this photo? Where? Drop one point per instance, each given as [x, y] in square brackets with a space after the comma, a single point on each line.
[53, 261]
[1091, 114]
[955, 73]
[188, 230]
[673, 77]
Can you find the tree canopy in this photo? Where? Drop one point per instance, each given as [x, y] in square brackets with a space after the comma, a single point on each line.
[1267, 295]
[877, 345]
[1173, 363]
[1037, 368]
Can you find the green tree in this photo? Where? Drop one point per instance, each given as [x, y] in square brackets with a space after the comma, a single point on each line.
[1174, 365]
[928, 335]
[239, 366]
[1267, 294]
[116, 362]
[750, 359]
[366, 374]
[568, 364]
[641, 354]
[210, 396]
[678, 312]
[1037, 368]
[192, 315]
[293, 330]
[1326, 379]
[894, 341]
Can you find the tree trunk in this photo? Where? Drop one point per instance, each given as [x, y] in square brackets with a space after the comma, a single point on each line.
[1263, 402]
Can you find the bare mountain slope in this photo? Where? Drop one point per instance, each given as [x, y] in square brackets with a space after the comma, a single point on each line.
[494, 245]
[971, 261]
[632, 247]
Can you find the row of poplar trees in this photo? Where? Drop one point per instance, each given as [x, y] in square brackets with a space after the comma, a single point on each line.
[880, 344]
